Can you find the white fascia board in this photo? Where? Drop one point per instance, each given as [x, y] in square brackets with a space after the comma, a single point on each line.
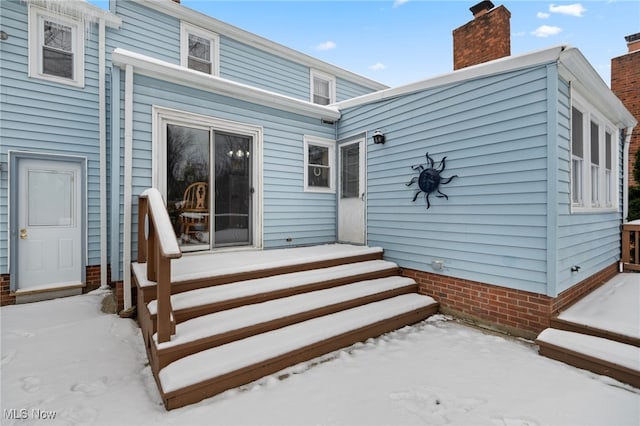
[176, 10]
[574, 68]
[497, 66]
[173, 73]
[79, 9]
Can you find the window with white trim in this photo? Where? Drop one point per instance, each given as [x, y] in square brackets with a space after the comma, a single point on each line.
[56, 47]
[319, 164]
[323, 88]
[593, 159]
[199, 49]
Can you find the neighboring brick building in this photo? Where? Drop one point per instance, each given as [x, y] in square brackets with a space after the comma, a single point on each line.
[625, 83]
[485, 38]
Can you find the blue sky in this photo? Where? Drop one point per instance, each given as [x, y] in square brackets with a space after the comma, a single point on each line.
[401, 41]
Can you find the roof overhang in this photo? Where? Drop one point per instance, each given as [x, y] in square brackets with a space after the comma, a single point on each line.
[572, 66]
[173, 73]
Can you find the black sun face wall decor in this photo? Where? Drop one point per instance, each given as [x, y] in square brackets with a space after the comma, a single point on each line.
[429, 179]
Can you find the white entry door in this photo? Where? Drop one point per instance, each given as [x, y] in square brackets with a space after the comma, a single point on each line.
[351, 192]
[49, 243]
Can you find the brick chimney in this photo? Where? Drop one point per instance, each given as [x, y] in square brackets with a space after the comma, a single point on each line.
[625, 83]
[485, 38]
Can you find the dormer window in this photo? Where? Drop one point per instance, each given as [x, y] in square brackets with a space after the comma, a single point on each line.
[199, 49]
[56, 47]
[323, 88]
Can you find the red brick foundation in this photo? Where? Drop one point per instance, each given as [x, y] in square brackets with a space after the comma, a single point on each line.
[6, 298]
[516, 312]
[92, 283]
[119, 292]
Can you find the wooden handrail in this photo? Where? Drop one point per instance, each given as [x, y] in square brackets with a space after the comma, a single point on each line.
[631, 245]
[157, 246]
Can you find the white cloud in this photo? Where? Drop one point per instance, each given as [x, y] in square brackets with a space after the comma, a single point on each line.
[378, 66]
[546, 31]
[543, 15]
[327, 45]
[398, 3]
[575, 9]
[519, 34]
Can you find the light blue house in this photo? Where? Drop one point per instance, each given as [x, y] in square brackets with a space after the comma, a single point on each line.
[98, 106]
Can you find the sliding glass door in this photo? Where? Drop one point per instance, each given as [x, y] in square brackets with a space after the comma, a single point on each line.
[209, 187]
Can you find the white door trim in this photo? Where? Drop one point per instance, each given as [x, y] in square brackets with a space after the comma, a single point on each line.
[352, 212]
[14, 158]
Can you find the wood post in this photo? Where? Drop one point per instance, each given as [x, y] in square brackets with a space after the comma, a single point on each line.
[157, 253]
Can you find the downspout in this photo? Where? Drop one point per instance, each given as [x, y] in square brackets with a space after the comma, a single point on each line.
[625, 174]
[128, 153]
[102, 118]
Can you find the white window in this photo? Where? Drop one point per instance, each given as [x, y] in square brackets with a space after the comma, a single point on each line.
[199, 49]
[323, 88]
[56, 47]
[593, 159]
[319, 164]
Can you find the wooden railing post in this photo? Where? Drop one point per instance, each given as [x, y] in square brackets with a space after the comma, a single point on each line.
[164, 299]
[158, 247]
[626, 245]
[143, 210]
[152, 253]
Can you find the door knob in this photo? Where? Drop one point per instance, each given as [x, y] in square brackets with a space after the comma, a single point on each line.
[23, 234]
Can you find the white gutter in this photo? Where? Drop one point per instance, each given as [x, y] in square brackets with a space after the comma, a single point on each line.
[128, 161]
[102, 123]
[151, 67]
[625, 175]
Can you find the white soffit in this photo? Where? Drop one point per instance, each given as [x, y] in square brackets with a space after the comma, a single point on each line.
[173, 73]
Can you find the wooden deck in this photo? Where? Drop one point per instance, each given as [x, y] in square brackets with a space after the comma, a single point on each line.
[595, 335]
[240, 316]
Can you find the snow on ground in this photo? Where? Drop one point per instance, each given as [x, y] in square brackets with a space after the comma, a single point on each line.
[66, 359]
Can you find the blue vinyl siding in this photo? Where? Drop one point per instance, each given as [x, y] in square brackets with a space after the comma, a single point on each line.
[589, 240]
[245, 64]
[47, 117]
[146, 31]
[152, 33]
[288, 211]
[493, 132]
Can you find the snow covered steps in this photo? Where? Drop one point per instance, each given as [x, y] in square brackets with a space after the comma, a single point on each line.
[221, 327]
[240, 316]
[597, 354]
[215, 370]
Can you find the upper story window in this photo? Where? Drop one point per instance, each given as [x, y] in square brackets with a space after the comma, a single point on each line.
[323, 88]
[319, 164]
[199, 49]
[594, 161]
[56, 47]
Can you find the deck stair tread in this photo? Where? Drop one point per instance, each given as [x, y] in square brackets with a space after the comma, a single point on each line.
[206, 265]
[226, 321]
[255, 350]
[224, 292]
[597, 354]
[627, 356]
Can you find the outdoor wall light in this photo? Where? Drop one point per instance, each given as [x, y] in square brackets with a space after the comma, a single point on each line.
[3, 35]
[378, 137]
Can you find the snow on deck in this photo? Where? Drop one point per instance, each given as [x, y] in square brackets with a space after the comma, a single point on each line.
[203, 265]
[245, 316]
[219, 293]
[614, 307]
[615, 352]
[252, 350]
